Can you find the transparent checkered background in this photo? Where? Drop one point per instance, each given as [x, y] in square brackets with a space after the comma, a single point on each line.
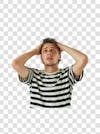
[23, 25]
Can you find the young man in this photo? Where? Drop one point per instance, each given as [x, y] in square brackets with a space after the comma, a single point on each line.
[51, 87]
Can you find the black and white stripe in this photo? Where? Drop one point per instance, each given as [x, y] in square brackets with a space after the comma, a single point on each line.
[51, 90]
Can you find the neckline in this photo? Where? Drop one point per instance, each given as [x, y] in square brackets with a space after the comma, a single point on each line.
[51, 73]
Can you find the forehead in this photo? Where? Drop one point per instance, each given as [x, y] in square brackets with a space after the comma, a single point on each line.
[49, 45]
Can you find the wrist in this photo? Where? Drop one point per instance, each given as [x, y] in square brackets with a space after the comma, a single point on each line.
[34, 51]
[61, 46]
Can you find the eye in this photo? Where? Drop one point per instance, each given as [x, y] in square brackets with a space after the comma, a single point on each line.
[45, 50]
[51, 50]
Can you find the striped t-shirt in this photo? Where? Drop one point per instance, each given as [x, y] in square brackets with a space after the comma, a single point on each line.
[50, 90]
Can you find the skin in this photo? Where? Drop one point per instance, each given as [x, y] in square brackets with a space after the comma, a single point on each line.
[50, 56]
[80, 58]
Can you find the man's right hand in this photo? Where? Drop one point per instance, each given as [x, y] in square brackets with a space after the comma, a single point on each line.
[37, 50]
[19, 63]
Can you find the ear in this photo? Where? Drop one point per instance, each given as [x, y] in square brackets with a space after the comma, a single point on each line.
[60, 56]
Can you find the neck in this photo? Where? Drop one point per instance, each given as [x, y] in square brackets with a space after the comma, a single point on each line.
[51, 69]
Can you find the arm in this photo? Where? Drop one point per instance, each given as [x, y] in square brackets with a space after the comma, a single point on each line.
[18, 63]
[80, 58]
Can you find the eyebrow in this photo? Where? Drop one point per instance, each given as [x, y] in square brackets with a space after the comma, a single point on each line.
[50, 47]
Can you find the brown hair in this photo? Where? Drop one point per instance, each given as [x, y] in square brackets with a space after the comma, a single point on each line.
[49, 40]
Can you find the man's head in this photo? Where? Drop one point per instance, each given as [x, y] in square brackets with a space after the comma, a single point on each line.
[50, 52]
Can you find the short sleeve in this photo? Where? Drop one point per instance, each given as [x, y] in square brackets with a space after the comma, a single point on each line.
[72, 78]
[28, 79]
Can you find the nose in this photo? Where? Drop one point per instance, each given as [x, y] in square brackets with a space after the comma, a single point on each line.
[49, 54]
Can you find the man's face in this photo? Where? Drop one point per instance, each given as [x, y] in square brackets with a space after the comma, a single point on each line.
[50, 54]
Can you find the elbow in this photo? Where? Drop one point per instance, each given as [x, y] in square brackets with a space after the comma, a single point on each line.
[84, 60]
[15, 63]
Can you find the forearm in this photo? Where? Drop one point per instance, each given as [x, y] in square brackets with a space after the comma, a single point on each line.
[24, 57]
[76, 54]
